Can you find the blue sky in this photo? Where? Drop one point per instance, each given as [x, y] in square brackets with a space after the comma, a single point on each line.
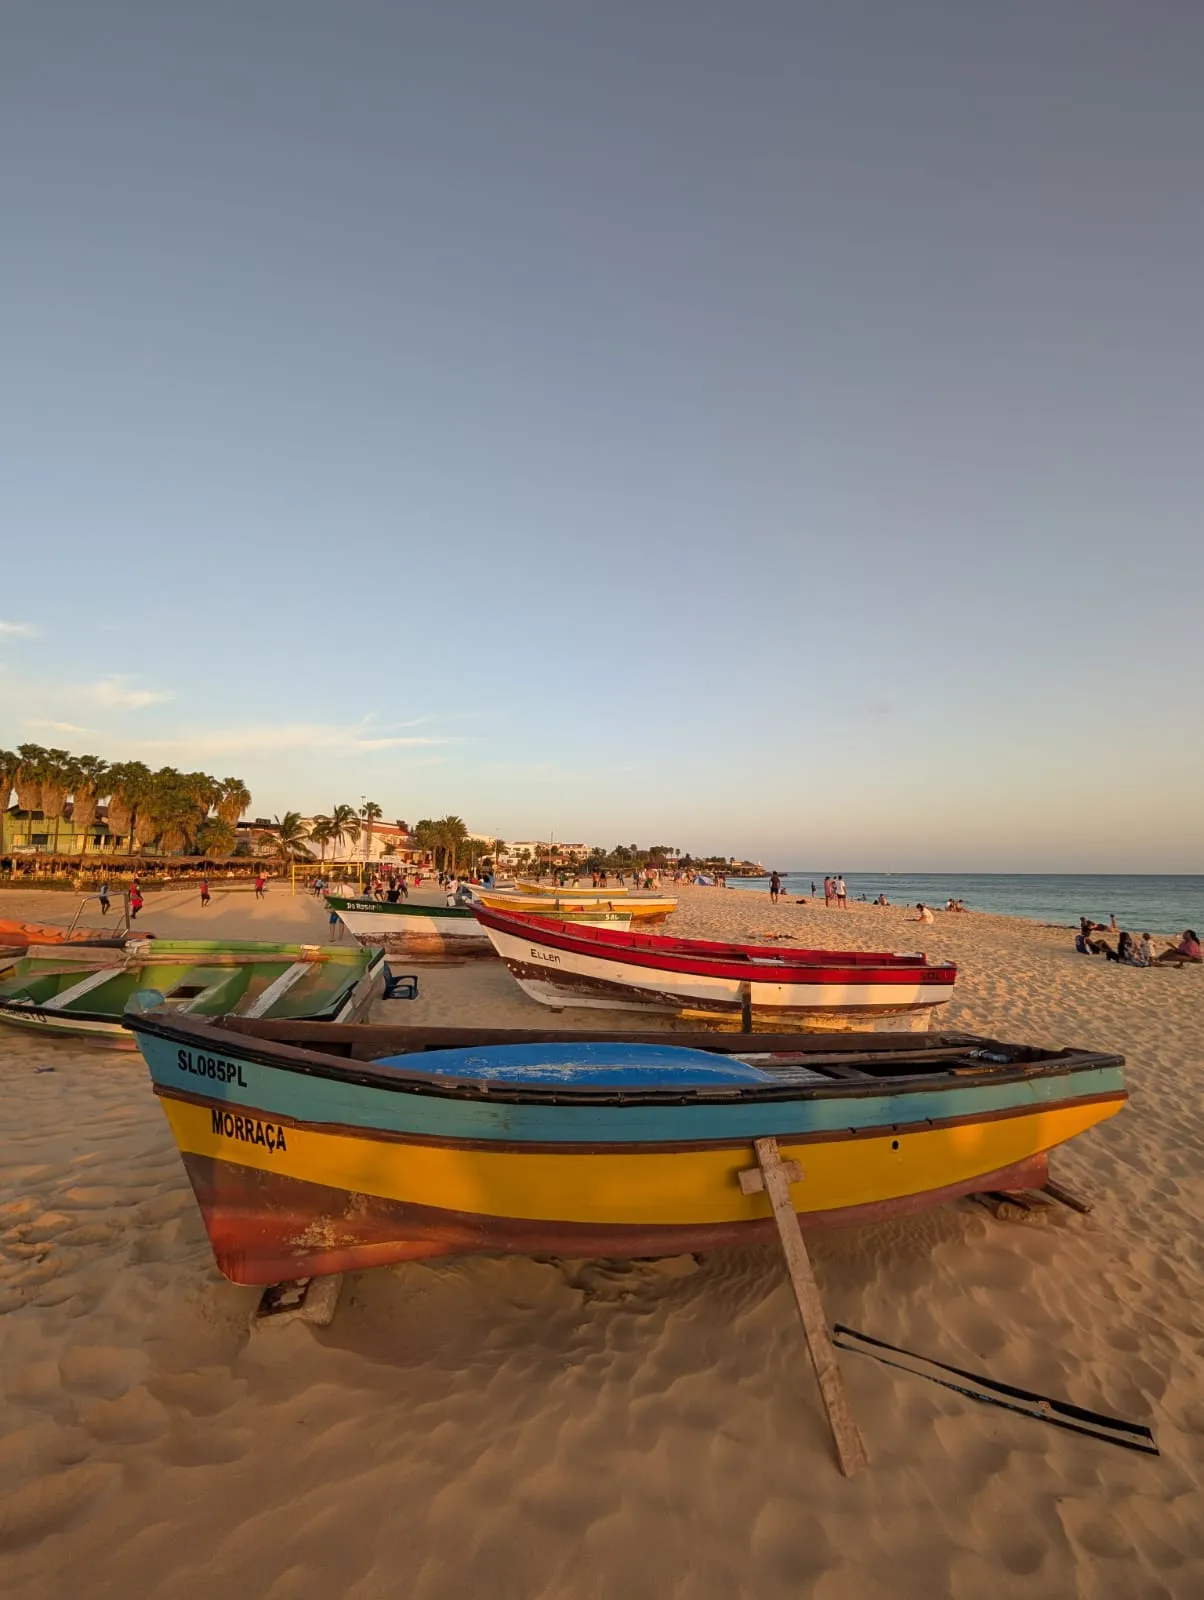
[772, 429]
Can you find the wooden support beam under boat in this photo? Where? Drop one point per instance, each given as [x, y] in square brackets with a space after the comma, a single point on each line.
[776, 1177]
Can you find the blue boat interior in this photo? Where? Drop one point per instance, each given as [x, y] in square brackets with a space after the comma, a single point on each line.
[609, 1066]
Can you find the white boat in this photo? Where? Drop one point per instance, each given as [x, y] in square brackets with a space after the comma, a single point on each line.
[408, 927]
[561, 966]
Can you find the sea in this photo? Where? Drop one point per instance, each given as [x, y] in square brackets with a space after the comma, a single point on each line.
[1141, 902]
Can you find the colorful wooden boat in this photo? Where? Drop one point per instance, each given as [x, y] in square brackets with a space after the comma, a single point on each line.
[18, 935]
[408, 927]
[437, 1142]
[566, 966]
[573, 905]
[63, 992]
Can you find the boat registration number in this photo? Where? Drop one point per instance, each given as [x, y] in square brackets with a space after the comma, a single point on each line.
[201, 1066]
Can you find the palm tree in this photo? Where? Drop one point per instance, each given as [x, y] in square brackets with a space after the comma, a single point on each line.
[320, 832]
[58, 780]
[425, 836]
[453, 832]
[344, 824]
[371, 813]
[215, 837]
[91, 774]
[27, 780]
[9, 763]
[129, 791]
[233, 799]
[290, 837]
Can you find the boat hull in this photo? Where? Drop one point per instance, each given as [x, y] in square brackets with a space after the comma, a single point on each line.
[558, 976]
[413, 930]
[302, 1165]
[647, 911]
[420, 930]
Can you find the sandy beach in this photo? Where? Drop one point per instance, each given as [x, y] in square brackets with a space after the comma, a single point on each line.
[517, 1429]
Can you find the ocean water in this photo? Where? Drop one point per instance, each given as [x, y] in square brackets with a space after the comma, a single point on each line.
[1141, 902]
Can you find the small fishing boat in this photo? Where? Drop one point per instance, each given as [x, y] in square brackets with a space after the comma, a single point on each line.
[573, 905]
[561, 965]
[83, 994]
[408, 927]
[315, 1149]
[18, 935]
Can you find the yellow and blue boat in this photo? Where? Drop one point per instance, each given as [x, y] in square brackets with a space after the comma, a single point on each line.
[318, 1148]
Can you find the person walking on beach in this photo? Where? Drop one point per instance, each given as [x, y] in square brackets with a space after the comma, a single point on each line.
[842, 893]
[259, 885]
[103, 897]
[135, 899]
[204, 892]
[775, 888]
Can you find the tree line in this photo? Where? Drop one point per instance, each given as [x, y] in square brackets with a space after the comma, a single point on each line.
[443, 839]
[168, 810]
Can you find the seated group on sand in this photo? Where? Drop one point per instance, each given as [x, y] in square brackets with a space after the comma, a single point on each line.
[1135, 952]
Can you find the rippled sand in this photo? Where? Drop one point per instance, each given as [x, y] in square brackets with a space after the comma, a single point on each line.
[511, 1428]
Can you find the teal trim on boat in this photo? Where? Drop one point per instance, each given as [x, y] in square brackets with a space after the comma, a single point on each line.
[237, 1078]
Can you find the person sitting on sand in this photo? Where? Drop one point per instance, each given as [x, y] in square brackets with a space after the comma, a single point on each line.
[1188, 949]
[924, 913]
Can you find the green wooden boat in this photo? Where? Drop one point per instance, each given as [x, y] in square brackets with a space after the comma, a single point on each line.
[83, 993]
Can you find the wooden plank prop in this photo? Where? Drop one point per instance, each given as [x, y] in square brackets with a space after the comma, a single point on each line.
[775, 1176]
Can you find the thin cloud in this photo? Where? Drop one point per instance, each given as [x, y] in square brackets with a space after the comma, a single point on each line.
[59, 727]
[118, 694]
[291, 736]
[20, 630]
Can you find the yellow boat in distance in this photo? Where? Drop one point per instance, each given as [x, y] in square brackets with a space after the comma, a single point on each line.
[644, 909]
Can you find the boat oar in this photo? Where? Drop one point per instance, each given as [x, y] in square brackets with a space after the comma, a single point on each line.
[1129, 1435]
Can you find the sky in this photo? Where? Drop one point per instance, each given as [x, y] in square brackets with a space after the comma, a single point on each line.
[770, 429]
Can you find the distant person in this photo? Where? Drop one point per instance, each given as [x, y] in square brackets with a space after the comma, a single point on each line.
[775, 887]
[924, 913]
[1112, 928]
[336, 926]
[394, 894]
[842, 893]
[1146, 950]
[1187, 949]
[103, 897]
[204, 892]
[882, 900]
[136, 901]
[827, 891]
[813, 888]
[260, 882]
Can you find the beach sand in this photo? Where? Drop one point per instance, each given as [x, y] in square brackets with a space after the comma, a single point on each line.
[516, 1429]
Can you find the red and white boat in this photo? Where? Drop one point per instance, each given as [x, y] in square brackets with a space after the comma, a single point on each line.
[563, 964]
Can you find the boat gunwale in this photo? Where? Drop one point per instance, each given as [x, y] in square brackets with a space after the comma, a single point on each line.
[313, 1063]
